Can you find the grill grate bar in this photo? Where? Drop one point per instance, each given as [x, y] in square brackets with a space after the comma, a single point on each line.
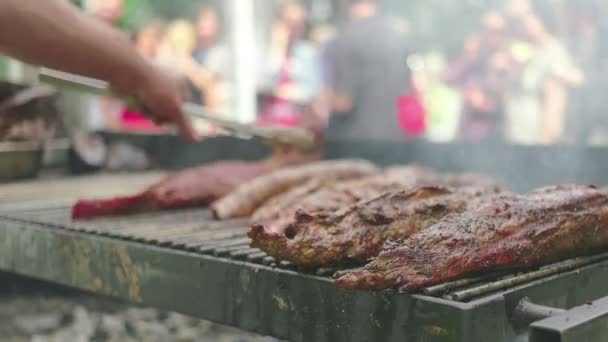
[212, 246]
[160, 235]
[269, 261]
[223, 251]
[256, 257]
[441, 289]
[287, 265]
[201, 246]
[195, 231]
[243, 254]
[509, 282]
[325, 271]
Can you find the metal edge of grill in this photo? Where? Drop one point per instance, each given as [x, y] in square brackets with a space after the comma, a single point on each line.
[226, 245]
[228, 240]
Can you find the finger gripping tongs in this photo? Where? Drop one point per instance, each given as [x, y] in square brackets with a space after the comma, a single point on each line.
[296, 137]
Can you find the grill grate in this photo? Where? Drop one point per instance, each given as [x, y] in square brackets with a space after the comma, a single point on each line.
[194, 230]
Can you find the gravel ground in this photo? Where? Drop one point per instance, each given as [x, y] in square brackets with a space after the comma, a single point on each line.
[53, 315]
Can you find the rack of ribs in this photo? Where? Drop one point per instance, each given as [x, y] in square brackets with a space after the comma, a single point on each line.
[505, 232]
[330, 194]
[358, 232]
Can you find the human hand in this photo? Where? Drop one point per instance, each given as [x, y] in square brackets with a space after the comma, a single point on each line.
[158, 92]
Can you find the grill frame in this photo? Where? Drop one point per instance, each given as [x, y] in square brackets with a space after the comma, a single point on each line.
[267, 299]
[288, 304]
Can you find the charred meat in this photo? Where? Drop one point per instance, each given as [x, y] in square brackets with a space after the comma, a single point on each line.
[327, 194]
[507, 231]
[358, 232]
[249, 196]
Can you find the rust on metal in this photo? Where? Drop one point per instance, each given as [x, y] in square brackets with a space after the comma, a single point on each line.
[78, 257]
[127, 273]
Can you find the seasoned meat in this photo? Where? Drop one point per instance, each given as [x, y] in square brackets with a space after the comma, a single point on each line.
[249, 196]
[330, 195]
[192, 187]
[506, 231]
[468, 179]
[196, 186]
[358, 232]
[327, 194]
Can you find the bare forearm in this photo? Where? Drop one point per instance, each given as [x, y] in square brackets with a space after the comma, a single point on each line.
[55, 34]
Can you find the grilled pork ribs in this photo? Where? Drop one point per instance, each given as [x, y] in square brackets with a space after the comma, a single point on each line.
[507, 231]
[358, 232]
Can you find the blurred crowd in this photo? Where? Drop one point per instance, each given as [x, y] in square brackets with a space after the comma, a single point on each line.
[303, 73]
[192, 50]
[527, 75]
[512, 81]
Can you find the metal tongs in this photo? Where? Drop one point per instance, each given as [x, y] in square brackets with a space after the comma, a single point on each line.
[298, 137]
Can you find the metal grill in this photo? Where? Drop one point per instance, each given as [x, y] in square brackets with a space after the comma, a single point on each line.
[185, 261]
[194, 230]
[191, 230]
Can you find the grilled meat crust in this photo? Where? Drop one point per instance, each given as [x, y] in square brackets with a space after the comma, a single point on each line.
[245, 199]
[507, 231]
[358, 232]
[187, 188]
[330, 194]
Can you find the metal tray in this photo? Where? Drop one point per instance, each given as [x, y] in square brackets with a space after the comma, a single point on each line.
[20, 160]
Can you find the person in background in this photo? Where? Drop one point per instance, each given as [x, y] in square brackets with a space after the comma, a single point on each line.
[177, 45]
[535, 106]
[515, 12]
[323, 38]
[442, 102]
[213, 56]
[55, 34]
[369, 73]
[103, 112]
[290, 79]
[147, 41]
[176, 52]
[584, 40]
[481, 73]
[108, 11]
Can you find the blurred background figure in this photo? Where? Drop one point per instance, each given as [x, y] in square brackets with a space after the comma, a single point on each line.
[149, 37]
[536, 103]
[369, 73]
[442, 102]
[178, 46]
[323, 39]
[482, 74]
[290, 77]
[214, 58]
[178, 52]
[102, 113]
[516, 10]
[147, 40]
[346, 62]
[109, 11]
[587, 121]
